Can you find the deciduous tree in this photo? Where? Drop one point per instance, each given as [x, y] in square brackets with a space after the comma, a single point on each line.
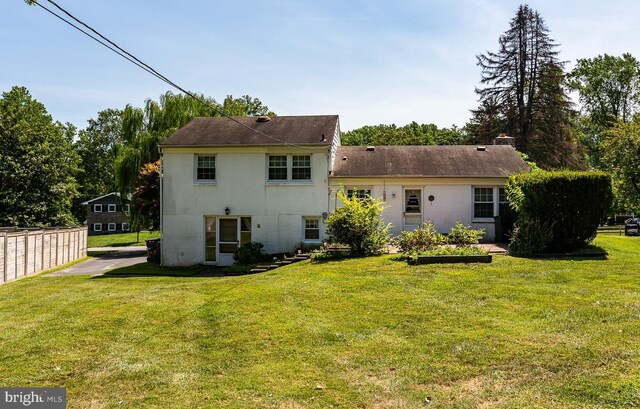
[609, 91]
[145, 204]
[411, 134]
[621, 159]
[38, 164]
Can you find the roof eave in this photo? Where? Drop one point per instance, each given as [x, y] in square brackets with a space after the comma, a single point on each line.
[420, 176]
[292, 145]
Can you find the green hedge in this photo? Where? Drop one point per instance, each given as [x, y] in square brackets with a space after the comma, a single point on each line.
[564, 208]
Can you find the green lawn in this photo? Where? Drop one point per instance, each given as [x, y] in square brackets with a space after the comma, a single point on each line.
[371, 332]
[121, 239]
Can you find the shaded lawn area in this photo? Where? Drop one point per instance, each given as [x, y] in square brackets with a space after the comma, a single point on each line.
[121, 239]
[371, 332]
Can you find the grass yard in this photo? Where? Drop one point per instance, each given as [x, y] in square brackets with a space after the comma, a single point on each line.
[121, 239]
[371, 332]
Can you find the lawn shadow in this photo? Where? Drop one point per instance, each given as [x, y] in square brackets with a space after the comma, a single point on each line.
[150, 270]
[125, 244]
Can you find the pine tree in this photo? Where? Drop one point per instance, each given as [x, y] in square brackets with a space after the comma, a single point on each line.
[516, 98]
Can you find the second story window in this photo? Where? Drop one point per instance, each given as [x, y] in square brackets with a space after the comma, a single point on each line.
[278, 167]
[206, 168]
[289, 168]
[301, 167]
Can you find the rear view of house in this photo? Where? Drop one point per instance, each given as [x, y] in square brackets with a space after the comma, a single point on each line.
[226, 182]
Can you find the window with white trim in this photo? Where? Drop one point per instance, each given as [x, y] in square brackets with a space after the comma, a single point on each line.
[111, 208]
[125, 226]
[359, 193]
[205, 168]
[311, 228]
[278, 169]
[111, 227]
[301, 167]
[97, 226]
[482, 202]
[97, 208]
[127, 208]
[289, 168]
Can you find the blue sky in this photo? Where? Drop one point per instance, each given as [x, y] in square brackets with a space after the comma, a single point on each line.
[370, 61]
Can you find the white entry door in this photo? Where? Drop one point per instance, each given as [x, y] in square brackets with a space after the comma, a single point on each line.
[412, 208]
[228, 239]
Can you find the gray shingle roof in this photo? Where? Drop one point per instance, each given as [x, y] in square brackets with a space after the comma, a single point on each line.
[428, 161]
[220, 131]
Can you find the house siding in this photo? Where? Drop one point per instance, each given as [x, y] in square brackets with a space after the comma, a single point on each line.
[276, 209]
[453, 199]
[105, 217]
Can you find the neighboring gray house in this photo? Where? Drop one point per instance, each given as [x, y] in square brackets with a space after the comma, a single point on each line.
[107, 214]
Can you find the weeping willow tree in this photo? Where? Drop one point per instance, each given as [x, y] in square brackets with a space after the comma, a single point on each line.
[144, 128]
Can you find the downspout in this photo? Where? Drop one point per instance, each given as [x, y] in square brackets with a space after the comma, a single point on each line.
[161, 208]
[324, 219]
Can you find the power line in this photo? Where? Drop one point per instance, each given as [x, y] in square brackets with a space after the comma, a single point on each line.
[112, 46]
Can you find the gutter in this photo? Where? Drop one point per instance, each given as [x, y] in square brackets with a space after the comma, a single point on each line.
[420, 176]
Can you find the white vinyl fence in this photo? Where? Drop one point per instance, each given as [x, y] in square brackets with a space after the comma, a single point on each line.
[25, 253]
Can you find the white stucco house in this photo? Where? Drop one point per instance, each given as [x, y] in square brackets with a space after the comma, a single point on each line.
[274, 180]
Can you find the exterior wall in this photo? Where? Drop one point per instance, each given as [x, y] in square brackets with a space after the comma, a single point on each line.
[453, 199]
[276, 209]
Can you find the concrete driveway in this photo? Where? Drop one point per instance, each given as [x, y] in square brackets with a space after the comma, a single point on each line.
[97, 265]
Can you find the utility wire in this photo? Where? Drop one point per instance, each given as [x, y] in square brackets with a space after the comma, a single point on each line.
[104, 41]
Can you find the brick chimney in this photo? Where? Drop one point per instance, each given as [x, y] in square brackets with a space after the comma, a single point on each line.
[504, 139]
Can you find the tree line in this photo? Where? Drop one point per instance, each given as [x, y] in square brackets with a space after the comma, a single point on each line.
[48, 168]
[524, 92]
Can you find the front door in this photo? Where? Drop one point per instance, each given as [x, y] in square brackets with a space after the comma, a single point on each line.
[228, 239]
[412, 209]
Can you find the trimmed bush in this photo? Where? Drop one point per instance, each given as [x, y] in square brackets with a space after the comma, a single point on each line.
[358, 224]
[557, 211]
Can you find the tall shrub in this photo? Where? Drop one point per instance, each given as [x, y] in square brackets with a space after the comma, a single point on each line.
[358, 224]
[570, 204]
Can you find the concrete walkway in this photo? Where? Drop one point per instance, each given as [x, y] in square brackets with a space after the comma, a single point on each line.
[493, 248]
[496, 248]
[119, 257]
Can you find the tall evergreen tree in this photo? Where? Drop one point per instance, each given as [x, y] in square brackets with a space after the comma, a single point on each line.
[38, 164]
[515, 98]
